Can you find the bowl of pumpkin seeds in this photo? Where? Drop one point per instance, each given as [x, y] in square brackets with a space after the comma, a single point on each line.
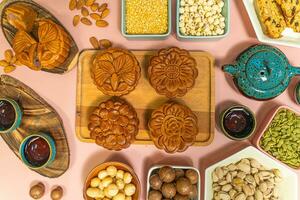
[280, 138]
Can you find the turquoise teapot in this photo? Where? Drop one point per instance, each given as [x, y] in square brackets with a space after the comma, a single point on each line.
[262, 72]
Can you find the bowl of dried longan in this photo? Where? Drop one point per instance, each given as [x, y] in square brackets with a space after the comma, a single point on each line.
[112, 180]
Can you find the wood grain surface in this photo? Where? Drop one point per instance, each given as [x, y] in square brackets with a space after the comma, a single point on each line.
[144, 98]
[38, 116]
[9, 33]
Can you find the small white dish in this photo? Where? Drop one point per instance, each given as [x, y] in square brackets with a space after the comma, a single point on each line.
[288, 188]
[290, 38]
[155, 169]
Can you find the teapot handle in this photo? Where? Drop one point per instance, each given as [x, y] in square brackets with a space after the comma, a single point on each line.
[230, 69]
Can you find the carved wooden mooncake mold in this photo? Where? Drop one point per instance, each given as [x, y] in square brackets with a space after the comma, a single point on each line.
[115, 71]
[172, 72]
[173, 127]
[114, 124]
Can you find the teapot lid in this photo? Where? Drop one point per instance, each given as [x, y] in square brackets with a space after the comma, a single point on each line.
[261, 72]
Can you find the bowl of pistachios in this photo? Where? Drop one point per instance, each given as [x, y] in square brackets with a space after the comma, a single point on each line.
[280, 137]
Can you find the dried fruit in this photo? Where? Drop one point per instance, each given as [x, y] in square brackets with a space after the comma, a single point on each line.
[85, 12]
[80, 4]
[89, 2]
[102, 7]
[86, 21]
[37, 191]
[76, 20]
[8, 54]
[72, 4]
[57, 193]
[4, 63]
[105, 43]
[101, 23]
[105, 13]
[95, 16]
[94, 42]
[94, 7]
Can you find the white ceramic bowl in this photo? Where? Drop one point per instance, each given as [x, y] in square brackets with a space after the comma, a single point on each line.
[290, 38]
[155, 169]
[288, 188]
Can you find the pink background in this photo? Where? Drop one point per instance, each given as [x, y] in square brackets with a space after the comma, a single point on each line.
[60, 92]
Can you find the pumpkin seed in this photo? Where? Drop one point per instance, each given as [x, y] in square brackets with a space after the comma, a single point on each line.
[8, 54]
[105, 13]
[94, 7]
[85, 12]
[89, 2]
[94, 42]
[86, 21]
[76, 20]
[72, 4]
[4, 63]
[80, 4]
[101, 23]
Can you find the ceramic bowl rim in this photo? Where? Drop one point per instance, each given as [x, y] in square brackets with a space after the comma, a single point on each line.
[266, 126]
[18, 113]
[249, 111]
[51, 143]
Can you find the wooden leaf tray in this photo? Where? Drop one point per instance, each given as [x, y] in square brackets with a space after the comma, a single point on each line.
[38, 116]
[9, 33]
[144, 98]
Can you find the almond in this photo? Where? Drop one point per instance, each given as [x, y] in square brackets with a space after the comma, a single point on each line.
[13, 60]
[9, 68]
[89, 2]
[76, 20]
[72, 4]
[102, 7]
[4, 63]
[80, 4]
[105, 43]
[84, 11]
[105, 13]
[94, 42]
[8, 54]
[86, 21]
[101, 23]
[94, 7]
[95, 16]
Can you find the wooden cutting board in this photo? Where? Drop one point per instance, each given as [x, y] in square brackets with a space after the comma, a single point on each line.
[201, 99]
[38, 116]
[9, 32]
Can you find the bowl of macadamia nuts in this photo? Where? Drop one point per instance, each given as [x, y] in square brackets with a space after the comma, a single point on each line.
[173, 182]
[202, 19]
[112, 180]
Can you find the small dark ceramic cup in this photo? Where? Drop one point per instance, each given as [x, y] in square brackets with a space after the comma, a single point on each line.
[242, 124]
[18, 115]
[50, 141]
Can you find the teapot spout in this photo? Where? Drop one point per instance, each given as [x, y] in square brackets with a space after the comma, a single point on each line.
[295, 71]
[230, 69]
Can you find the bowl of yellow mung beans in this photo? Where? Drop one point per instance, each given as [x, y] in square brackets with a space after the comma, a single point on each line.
[146, 19]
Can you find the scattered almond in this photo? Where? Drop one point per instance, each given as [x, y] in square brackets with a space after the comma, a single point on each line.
[105, 13]
[95, 16]
[9, 68]
[8, 54]
[18, 63]
[86, 21]
[94, 42]
[101, 23]
[76, 20]
[13, 60]
[94, 7]
[89, 2]
[105, 43]
[80, 4]
[102, 7]
[4, 63]
[85, 12]
[72, 4]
